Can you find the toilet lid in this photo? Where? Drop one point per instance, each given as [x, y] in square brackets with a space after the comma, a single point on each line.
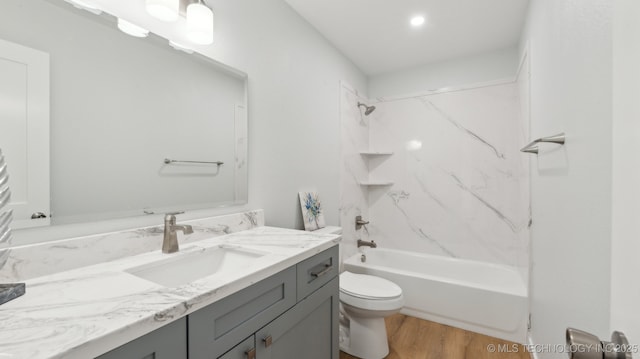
[368, 286]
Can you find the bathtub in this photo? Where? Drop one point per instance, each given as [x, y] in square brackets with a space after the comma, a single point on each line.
[481, 297]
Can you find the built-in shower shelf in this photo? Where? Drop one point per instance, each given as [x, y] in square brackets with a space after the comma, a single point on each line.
[376, 153]
[371, 183]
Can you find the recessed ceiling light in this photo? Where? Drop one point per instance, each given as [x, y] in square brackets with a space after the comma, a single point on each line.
[417, 21]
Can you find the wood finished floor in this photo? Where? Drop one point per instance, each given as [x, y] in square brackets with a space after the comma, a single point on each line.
[413, 338]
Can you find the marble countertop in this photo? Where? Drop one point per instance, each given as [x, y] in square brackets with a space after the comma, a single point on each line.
[88, 311]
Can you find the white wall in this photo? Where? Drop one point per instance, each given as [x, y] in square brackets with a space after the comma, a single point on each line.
[294, 93]
[625, 293]
[571, 73]
[500, 64]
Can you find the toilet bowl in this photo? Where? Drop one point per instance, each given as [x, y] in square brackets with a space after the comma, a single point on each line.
[365, 301]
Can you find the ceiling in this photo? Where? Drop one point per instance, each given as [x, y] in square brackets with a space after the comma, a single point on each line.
[377, 37]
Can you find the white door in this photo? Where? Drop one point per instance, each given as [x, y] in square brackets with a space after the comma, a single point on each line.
[24, 130]
[625, 246]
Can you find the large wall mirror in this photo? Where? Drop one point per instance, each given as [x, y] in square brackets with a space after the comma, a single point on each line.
[119, 106]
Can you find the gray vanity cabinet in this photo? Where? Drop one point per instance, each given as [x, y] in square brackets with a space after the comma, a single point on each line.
[308, 330]
[291, 315]
[215, 329]
[168, 342]
[244, 350]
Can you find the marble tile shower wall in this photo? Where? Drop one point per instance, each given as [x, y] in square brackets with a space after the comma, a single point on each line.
[460, 183]
[353, 169]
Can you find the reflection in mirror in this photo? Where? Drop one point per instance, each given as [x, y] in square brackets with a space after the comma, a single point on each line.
[120, 106]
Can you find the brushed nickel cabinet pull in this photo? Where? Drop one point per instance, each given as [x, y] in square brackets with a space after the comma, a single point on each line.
[327, 269]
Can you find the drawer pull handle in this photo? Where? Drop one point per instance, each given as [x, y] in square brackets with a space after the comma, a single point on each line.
[327, 269]
[267, 341]
[251, 354]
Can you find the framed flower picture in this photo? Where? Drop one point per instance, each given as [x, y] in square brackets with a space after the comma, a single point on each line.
[312, 211]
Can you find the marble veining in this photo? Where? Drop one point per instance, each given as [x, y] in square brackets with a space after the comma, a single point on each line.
[458, 192]
[88, 311]
[397, 197]
[460, 184]
[462, 128]
[486, 203]
[40, 259]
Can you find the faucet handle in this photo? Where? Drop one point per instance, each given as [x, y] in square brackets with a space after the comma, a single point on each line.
[360, 222]
[174, 213]
[171, 216]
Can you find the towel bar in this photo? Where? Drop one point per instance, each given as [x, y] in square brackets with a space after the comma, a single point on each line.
[170, 161]
[531, 148]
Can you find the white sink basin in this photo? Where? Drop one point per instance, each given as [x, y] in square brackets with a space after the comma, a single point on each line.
[185, 268]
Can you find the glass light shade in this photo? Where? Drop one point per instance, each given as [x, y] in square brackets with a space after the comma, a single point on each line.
[199, 24]
[132, 29]
[165, 10]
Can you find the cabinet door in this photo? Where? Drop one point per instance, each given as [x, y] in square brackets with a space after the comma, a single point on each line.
[244, 350]
[168, 342]
[309, 330]
[215, 329]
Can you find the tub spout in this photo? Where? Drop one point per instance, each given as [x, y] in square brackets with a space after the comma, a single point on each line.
[371, 244]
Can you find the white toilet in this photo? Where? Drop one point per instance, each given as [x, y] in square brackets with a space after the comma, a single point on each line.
[365, 301]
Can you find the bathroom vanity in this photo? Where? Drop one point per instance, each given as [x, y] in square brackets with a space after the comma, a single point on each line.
[291, 314]
[272, 294]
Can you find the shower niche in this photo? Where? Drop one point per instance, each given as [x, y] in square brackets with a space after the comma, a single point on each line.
[368, 156]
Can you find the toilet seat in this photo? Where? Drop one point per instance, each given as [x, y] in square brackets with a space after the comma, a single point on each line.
[369, 292]
[368, 287]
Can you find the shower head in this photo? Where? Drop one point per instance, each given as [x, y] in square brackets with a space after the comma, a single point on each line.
[367, 109]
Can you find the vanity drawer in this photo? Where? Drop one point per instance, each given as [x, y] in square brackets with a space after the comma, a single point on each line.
[316, 271]
[168, 342]
[217, 328]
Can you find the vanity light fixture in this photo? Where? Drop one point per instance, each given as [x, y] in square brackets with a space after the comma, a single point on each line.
[199, 23]
[165, 10]
[417, 21]
[132, 29]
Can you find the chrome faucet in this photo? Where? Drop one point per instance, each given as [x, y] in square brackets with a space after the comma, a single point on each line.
[371, 244]
[170, 242]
